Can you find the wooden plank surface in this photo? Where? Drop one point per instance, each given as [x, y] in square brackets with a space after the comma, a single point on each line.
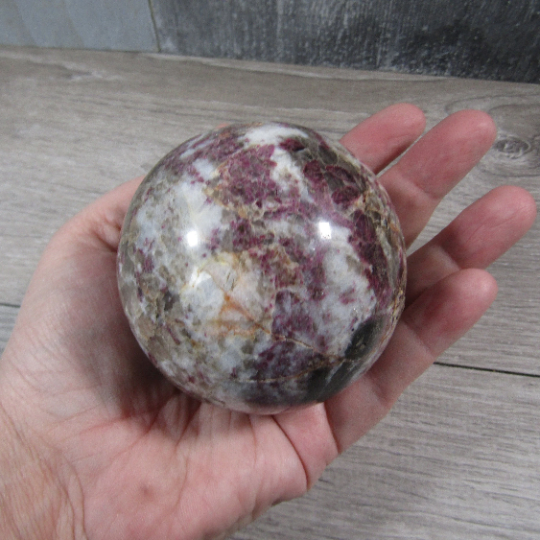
[124, 25]
[444, 465]
[75, 124]
[458, 457]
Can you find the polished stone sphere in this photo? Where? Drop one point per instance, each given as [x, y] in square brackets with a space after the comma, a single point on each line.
[261, 267]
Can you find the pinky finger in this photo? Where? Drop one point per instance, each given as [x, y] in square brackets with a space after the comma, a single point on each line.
[433, 322]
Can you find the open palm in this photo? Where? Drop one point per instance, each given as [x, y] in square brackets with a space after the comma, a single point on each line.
[124, 455]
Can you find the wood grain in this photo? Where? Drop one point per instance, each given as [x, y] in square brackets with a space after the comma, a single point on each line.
[459, 456]
[492, 39]
[124, 25]
[75, 124]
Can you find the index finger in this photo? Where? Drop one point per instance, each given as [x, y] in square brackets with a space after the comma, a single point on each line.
[381, 138]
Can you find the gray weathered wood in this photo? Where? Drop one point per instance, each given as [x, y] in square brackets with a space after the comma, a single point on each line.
[458, 458]
[74, 124]
[459, 455]
[492, 39]
[93, 24]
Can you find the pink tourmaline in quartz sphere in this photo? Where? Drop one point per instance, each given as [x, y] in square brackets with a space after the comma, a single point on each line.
[261, 267]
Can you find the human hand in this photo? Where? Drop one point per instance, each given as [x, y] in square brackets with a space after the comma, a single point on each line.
[97, 444]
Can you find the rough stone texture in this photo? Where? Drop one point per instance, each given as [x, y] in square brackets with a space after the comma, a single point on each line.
[261, 267]
[489, 39]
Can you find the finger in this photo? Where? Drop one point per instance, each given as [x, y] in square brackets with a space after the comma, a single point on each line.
[100, 223]
[434, 165]
[384, 136]
[476, 238]
[438, 318]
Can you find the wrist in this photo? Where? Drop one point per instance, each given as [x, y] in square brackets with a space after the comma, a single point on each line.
[34, 503]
